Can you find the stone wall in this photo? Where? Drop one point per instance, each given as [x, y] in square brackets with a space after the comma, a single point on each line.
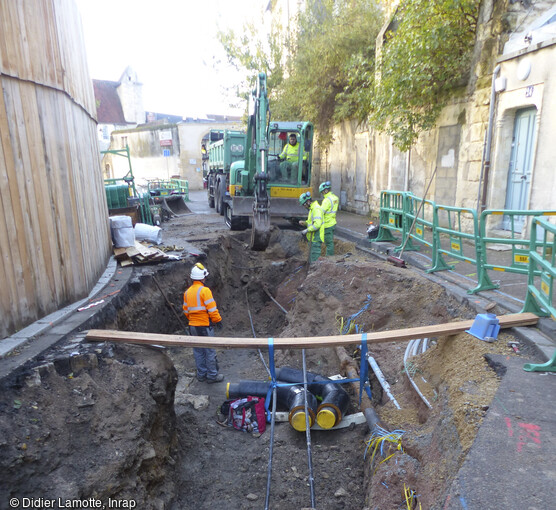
[361, 163]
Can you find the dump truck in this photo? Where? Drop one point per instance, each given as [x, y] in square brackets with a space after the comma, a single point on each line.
[264, 183]
[222, 153]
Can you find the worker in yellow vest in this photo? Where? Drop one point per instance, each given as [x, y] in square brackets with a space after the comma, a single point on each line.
[314, 225]
[329, 207]
[290, 156]
[202, 313]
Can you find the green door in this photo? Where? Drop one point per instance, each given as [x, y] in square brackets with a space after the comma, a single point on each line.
[519, 172]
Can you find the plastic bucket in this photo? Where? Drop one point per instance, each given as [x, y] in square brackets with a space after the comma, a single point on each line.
[149, 233]
[485, 325]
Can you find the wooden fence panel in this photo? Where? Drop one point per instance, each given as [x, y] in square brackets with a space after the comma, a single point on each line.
[54, 233]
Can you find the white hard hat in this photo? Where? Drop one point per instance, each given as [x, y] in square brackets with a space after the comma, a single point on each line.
[198, 272]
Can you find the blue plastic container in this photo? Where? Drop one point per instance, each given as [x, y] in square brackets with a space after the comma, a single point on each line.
[485, 325]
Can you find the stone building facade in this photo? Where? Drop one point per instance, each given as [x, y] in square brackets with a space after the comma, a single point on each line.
[513, 71]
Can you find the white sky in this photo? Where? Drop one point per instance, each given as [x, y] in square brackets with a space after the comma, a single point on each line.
[172, 46]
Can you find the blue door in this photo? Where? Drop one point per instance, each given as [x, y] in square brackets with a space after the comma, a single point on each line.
[519, 172]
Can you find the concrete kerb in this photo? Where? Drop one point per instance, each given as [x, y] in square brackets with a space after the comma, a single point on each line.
[542, 338]
[45, 324]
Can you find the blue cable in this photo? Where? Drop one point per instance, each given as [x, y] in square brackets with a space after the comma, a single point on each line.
[351, 318]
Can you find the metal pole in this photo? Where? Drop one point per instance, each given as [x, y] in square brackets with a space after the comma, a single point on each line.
[308, 434]
[271, 449]
[486, 161]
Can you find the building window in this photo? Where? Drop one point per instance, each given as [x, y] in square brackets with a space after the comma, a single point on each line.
[124, 142]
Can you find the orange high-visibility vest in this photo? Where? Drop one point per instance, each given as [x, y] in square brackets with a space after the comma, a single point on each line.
[199, 306]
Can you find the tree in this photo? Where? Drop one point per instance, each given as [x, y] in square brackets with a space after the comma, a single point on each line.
[325, 70]
[252, 52]
[424, 60]
[308, 65]
[332, 37]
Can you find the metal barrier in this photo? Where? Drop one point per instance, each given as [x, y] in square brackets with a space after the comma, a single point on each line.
[423, 231]
[392, 215]
[520, 247]
[456, 235]
[164, 187]
[410, 216]
[542, 254]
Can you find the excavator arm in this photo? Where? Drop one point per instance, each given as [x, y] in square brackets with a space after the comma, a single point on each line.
[260, 233]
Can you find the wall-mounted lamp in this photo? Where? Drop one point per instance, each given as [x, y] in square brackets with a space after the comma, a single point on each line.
[500, 84]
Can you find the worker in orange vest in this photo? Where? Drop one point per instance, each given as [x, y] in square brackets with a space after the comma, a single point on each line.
[202, 313]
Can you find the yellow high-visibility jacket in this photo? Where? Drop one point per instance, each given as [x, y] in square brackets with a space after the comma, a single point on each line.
[199, 305]
[329, 205]
[315, 222]
[290, 153]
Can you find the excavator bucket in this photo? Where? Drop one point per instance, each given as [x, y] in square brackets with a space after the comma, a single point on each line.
[174, 204]
[260, 233]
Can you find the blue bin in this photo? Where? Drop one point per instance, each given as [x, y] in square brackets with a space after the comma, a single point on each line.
[485, 324]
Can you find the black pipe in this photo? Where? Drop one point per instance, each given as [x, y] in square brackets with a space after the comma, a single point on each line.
[292, 397]
[335, 400]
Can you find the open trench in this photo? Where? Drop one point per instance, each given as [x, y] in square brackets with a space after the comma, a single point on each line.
[133, 423]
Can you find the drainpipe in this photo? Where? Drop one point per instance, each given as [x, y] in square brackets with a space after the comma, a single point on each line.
[407, 166]
[485, 166]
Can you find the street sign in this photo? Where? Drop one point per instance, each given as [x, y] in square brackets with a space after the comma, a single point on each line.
[166, 153]
[165, 137]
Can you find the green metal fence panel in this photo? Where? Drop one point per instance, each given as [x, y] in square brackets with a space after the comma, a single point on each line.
[456, 219]
[420, 215]
[392, 215]
[182, 187]
[542, 255]
[519, 262]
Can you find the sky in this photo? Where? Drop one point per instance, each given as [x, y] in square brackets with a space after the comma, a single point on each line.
[172, 46]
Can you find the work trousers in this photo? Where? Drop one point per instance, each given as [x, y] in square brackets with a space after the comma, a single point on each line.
[315, 248]
[329, 240]
[205, 358]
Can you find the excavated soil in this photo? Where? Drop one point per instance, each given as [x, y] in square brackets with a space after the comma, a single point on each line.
[97, 420]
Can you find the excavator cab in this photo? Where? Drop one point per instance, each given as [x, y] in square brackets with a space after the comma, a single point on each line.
[289, 165]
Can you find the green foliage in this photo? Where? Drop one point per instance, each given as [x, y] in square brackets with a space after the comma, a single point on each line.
[252, 53]
[423, 60]
[324, 69]
[333, 36]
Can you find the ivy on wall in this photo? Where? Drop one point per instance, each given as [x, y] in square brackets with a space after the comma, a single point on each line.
[424, 60]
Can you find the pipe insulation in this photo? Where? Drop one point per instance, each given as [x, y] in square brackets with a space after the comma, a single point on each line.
[382, 380]
[406, 355]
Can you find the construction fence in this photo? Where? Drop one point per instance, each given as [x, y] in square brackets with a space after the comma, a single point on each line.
[465, 235]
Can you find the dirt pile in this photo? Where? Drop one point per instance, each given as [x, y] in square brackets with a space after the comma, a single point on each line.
[91, 425]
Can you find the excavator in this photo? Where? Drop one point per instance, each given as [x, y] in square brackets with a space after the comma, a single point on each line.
[264, 184]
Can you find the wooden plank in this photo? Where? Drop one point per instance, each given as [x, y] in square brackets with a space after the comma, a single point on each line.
[50, 117]
[16, 184]
[397, 335]
[39, 185]
[33, 158]
[9, 290]
[49, 192]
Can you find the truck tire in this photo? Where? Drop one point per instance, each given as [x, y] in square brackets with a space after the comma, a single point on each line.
[234, 222]
[217, 201]
[220, 197]
[210, 185]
